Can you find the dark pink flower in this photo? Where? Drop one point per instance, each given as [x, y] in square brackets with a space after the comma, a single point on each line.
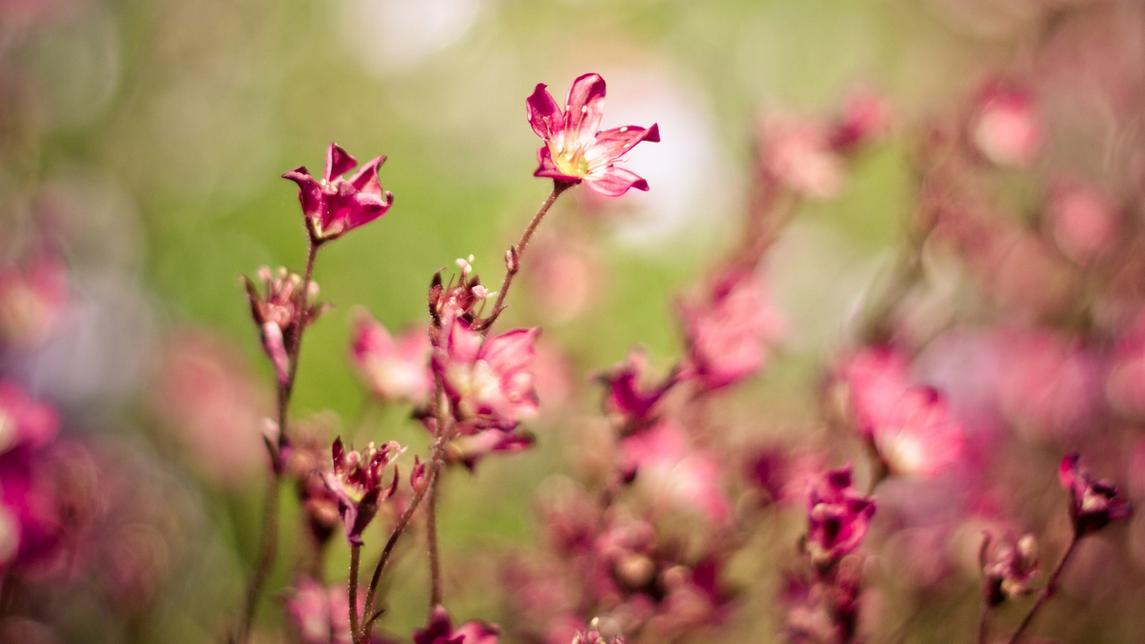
[838, 517]
[729, 331]
[393, 369]
[626, 393]
[357, 480]
[489, 380]
[1009, 567]
[440, 630]
[24, 421]
[277, 309]
[1005, 126]
[575, 148]
[461, 297]
[334, 205]
[1094, 503]
[822, 608]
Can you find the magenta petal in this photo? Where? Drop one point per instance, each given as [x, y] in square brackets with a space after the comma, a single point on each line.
[585, 104]
[614, 143]
[368, 207]
[366, 179]
[338, 162]
[309, 192]
[614, 182]
[544, 114]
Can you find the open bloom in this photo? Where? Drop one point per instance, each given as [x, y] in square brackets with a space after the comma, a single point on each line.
[838, 517]
[1094, 503]
[334, 205]
[575, 148]
[440, 630]
[729, 332]
[356, 479]
[392, 368]
[280, 313]
[489, 380]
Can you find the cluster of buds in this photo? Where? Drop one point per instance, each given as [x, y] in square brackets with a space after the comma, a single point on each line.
[575, 148]
[1094, 503]
[334, 205]
[1009, 567]
[440, 630]
[729, 331]
[838, 517]
[393, 369]
[460, 298]
[357, 480]
[281, 311]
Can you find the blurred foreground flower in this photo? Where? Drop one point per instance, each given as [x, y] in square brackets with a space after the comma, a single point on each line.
[1005, 127]
[32, 297]
[440, 630]
[1094, 503]
[393, 369]
[334, 205]
[320, 614]
[575, 148]
[1009, 567]
[838, 517]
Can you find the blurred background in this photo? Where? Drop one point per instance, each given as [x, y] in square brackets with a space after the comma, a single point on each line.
[141, 144]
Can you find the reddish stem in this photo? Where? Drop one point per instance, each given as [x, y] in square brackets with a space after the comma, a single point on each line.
[1048, 591]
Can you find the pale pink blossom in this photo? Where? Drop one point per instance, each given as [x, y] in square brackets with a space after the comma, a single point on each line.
[393, 369]
[32, 298]
[675, 472]
[1082, 219]
[1005, 126]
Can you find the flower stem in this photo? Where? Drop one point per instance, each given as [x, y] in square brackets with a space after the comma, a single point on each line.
[431, 545]
[352, 591]
[983, 624]
[268, 540]
[1048, 591]
[517, 251]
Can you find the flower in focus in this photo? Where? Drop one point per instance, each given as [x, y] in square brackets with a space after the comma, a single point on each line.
[459, 298]
[838, 517]
[357, 481]
[728, 332]
[392, 368]
[1094, 503]
[1005, 127]
[625, 394]
[334, 205]
[320, 614]
[32, 297]
[1009, 567]
[440, 630]
[280, 312]
[489, 380]
[575, 148]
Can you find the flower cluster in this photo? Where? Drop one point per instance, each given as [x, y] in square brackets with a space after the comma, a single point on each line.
[282, 311]
[357, 479]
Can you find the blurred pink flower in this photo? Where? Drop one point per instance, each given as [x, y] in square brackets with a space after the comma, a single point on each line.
[1125, 374]
[1009, 567]
[729, 330]
[357, 480]
[575, 148]
[838, 517]
[873, 380]
[470, 450]
[662, 459]
[393, 369]
[865, 116]
[1005, 126]
[320, 614]
[919, 437]
[800, 155]
[489, 380]
[334, 205]
[1094, 503]
[1082, 220]
[440, 630]
[32, 298]
[627, 394]
[24, 421]
[781, 475]
[277, 309]
[1050, 384]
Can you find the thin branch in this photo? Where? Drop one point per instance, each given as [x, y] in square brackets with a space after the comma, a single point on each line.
[352, 591]
[1048, 591]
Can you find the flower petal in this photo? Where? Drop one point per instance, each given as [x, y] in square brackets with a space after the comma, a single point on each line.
[615, 181]
[366, 178]
[613, 144]
[544, 114]
[585, 105]
[309, 192]
[338, 162]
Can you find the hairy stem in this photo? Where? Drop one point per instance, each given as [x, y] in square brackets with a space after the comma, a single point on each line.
[352, 591]
[431, 546]
[1048, 591]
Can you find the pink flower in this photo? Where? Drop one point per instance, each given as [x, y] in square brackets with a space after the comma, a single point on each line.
[470, 450]
[1083, 221]
[865, 116]
[626, 393]
[1094, 503]
[24, 421]
[1005, 126]
[575, 148]
[728, 333]
[1009, 567]
[321, 614]
[838, 517]
[32, 298]
[919, 437]
[440, 630]
[392, 369]
[277, 310]
[873, 379]
[662, 458]
[357, 480]
[334, 205]
[489, 380]
[800, 155]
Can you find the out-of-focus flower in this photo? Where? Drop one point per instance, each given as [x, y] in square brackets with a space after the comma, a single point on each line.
[357, 481]
[1009, 567]
[838, 517]
[1094, 503]
[24, 421]
[872, 381]
[489, 380]
[469, 450]
[320, 614]
[591, 635]
[1082, 220]
[564, 277]
[1005, 126]
[279, 312]
[798, 154]
[1125, 376]
[626, 394]
[919, 437]
[820, 608]
[729, 331]
[440, 630]
[662, 459]
[575, 149]
[305, 463]
[334, 205]
[779, 475]
[31, 300]
[393, 369]
[865, 116]
[1050, 383]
